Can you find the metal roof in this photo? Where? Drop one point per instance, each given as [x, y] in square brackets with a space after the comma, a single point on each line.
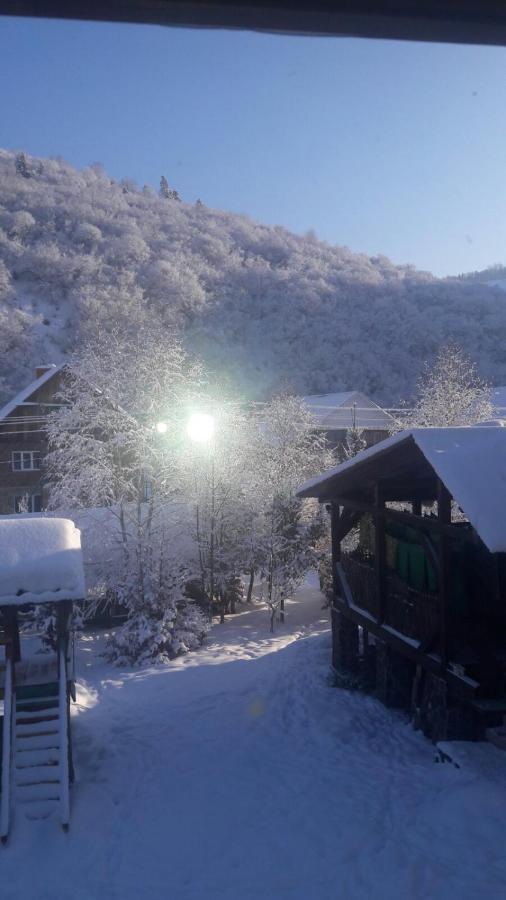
[348, 409]
[27, 392]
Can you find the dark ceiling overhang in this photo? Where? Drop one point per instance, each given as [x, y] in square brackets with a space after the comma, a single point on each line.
[455, 21]
[400, 470]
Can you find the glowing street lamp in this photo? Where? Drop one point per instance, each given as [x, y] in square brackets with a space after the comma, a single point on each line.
[161, 427]
[200, 427]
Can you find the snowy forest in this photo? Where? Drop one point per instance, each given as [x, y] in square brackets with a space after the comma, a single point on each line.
[262, 307]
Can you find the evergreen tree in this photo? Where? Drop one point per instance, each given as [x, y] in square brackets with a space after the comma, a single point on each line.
[22, 166]
[164, 188]
[353, 444]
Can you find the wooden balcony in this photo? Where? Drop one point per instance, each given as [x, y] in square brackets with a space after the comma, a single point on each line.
[414, 614]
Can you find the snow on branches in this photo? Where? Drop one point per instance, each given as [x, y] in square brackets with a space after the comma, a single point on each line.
[106, 451]
[450, 393]
[288, 450]
[120, 441]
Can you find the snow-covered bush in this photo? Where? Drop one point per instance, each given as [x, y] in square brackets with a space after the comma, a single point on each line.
[21, 223]
[163, 623]
[87, 234]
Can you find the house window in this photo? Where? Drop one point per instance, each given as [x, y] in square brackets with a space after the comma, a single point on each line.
[31, 503]
[25, 460]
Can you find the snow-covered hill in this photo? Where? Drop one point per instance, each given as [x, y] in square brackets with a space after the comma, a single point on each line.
[79, 251]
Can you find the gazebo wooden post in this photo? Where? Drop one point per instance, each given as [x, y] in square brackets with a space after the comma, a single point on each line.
[11, 620]
[344, 630]
[444, 511]
[336, 544]
[380, 553]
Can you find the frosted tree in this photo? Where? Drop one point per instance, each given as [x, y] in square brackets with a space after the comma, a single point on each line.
[451, 392]
[216, 475]
[164, 188]
[289, 450]
[106, 451]
[259, 304]
[166, 192]
[22, 165]
[354, 442]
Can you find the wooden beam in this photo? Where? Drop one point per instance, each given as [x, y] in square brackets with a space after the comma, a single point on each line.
[463, 686]
[460, 21]
[424, 523]
[444, 513]
[380, 554]
[345, 522]
[335, 521]
[11, 629]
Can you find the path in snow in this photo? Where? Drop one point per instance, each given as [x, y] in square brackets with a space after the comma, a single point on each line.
[239, 773]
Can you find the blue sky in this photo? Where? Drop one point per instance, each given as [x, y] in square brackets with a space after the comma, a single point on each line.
[386, 147]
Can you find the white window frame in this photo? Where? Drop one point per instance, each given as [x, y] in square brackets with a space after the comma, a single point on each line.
[31, 500]
[25, 460]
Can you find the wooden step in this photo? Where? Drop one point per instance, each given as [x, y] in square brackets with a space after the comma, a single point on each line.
[46, 756]
[497, 736]
[36, 729]
[43, 698]
[40, 809]
[36, 716]
[38, 775]
[28, 742]
[34, 706]
[490, 711]
[32, 793]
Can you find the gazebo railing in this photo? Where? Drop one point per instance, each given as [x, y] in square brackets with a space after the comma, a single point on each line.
[414, 614]
[362, 581]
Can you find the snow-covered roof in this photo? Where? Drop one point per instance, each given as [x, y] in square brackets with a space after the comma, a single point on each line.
[342, 410]
[27, 392]
[40, 561]
[471, 462]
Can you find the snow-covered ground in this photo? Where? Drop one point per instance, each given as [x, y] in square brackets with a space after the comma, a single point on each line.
[239, 772]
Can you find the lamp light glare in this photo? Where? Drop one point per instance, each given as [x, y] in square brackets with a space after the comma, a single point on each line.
[200, 427]
[161, 427]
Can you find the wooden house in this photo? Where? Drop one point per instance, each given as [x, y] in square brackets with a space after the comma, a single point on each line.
[335, 414]
[419, 574]
[23, 442]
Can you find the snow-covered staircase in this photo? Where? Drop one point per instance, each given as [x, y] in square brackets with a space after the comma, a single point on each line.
[36, 763]
[35, 748]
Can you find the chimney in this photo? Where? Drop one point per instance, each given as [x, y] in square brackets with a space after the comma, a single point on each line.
[41, 370]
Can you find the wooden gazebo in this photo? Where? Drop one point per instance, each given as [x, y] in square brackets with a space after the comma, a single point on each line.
[419, 574]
